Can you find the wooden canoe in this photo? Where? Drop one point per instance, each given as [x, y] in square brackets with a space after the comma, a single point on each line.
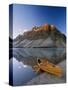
[48, 67]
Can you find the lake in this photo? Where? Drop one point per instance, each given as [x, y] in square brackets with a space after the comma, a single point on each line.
[24, 58]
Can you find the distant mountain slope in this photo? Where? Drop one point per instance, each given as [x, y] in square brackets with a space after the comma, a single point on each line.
[42, 36]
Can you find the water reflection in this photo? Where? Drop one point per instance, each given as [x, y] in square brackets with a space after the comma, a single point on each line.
[24, 58]
[21, 73]
[55, 55]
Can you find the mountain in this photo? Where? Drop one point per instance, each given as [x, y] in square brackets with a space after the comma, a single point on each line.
[10, 43]
[42, 36]
[10, 47]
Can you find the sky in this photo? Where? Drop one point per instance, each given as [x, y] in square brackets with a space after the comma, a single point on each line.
[27, 16]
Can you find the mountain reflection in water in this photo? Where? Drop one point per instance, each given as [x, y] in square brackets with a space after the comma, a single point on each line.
[24, 58]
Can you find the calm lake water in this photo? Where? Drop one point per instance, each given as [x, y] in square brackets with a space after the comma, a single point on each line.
[24, 58]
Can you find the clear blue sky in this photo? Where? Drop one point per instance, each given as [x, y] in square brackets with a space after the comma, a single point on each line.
[27, 16]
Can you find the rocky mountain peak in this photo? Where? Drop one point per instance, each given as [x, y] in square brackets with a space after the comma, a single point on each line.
[45, 27]
[43, 36]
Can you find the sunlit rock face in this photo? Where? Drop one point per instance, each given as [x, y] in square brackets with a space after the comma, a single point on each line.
[43, 36]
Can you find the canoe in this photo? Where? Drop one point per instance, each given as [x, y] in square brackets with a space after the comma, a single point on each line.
[46, 66]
